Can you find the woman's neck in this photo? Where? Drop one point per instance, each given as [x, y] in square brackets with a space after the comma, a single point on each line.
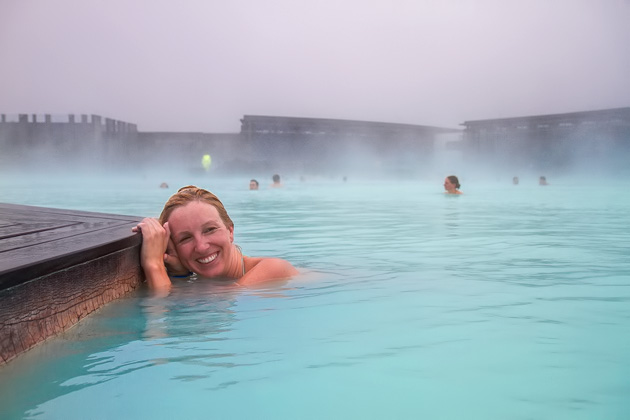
[236, 266]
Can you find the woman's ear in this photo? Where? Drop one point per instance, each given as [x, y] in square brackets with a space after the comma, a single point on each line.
[231, 230]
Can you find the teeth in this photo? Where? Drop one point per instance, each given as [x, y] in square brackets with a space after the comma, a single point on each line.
[208, 259]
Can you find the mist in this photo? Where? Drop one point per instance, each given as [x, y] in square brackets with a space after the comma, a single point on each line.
[199, 67]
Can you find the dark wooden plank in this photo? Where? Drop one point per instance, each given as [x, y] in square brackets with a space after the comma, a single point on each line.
[25, 236]
[6, 224]
[24, 229]
[16, 210]
[36, 240]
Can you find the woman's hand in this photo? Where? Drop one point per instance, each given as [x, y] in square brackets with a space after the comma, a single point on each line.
[154, 243]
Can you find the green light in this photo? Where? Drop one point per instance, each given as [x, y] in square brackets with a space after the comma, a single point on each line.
[206, 161]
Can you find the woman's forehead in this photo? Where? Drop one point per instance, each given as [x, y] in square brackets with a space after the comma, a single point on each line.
[193, 213]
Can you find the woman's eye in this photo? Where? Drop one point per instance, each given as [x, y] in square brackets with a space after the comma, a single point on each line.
[184, 239]
[208, 230]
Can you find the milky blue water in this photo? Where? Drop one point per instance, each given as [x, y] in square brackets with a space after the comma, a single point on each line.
[508, 302]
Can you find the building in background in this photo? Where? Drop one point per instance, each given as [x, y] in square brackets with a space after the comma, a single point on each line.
[315, 146]
[302, 146]
[556, 142]
[31, 141]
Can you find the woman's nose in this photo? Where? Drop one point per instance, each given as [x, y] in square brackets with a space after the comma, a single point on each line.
[200, 244]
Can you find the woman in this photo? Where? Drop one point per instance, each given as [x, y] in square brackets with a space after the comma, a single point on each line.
[451, 185]
[195, 235]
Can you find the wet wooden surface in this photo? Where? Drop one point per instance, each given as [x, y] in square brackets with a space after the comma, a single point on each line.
[35, 241]
[58, 266]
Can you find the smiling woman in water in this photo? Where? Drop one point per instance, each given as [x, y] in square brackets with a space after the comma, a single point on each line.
[195, 235]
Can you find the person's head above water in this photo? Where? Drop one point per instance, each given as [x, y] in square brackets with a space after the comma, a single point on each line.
[194, 234]
[276, 181]
[253, 184]
[451, 184]
[189, 194]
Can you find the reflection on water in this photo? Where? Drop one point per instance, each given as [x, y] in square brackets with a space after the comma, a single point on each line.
[498, 303]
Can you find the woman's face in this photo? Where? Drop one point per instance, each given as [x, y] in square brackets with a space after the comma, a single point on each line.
[448, 185]
[202, 241]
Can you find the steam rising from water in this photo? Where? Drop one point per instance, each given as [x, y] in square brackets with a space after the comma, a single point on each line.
[582, 155]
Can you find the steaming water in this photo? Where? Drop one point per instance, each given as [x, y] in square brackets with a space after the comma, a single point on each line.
[505, 302]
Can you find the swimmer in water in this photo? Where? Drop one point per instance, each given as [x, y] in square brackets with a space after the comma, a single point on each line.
[276, 181]
[451, 185]
[194, 234]
[253, 184]
[542, 181]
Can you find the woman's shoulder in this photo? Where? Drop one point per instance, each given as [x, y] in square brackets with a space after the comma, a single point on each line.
[258, 269]
[271, 263]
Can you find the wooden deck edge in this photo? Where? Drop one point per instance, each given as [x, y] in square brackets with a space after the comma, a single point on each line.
[48, 305]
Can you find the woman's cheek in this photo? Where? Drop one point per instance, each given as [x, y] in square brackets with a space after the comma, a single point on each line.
[182, 251]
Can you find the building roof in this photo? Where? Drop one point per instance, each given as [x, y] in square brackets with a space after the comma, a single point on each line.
[275, 124]
[603, 115]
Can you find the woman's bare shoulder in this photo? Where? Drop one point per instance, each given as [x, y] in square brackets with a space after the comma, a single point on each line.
[259, 269]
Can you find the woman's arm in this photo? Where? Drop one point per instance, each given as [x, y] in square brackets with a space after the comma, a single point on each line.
[154, 243]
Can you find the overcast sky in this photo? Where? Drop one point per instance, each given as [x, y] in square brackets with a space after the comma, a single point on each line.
[200, 65]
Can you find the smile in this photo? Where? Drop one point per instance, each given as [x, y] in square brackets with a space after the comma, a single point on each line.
[208, 259]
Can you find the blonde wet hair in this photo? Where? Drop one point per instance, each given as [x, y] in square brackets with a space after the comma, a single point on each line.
[189, 194]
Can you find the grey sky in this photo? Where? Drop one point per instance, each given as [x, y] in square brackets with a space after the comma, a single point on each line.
[199, 65]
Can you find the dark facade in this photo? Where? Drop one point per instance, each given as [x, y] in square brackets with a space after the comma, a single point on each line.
[30, 141]
[265, 144]
[314, 145]
[557, 142]
[303, 146]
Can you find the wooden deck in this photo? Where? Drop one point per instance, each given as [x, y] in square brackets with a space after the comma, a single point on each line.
[56, 267]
